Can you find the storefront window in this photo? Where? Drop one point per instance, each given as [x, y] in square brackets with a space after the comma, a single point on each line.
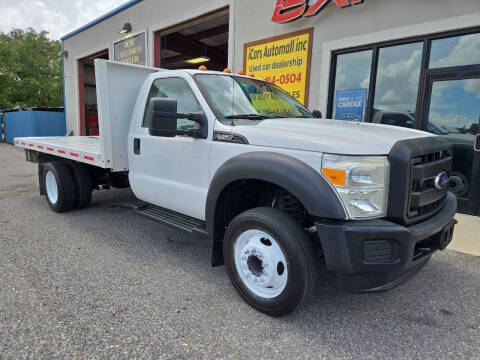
[454, 113]
[455, 109]
[455, 51]
[396, 89]
[352, 81]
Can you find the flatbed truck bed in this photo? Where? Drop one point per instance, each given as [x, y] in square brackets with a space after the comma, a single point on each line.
[118, 85]
[84, 149]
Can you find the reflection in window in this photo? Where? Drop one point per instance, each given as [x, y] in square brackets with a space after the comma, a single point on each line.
[178, 89]
[235, 95]
[455, 114]
[455, 107]
[455, 51]
[353, 73]
[397, 85]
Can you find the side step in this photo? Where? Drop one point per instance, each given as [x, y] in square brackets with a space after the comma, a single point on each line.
[172, 218]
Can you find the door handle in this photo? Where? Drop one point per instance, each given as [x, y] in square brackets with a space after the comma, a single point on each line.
[136, 146]
[476, 144]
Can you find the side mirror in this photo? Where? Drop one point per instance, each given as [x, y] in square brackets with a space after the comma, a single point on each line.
[317, 114]
[164, 120]
[476, 144]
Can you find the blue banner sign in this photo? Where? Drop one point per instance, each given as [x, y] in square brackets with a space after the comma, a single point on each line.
[350, 104]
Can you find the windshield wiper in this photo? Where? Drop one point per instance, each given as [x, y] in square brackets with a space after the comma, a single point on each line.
[248, 117]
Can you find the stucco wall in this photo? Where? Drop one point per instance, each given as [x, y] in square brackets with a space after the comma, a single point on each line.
[372, 21]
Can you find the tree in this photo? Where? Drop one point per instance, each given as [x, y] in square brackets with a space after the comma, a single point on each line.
[30, 70]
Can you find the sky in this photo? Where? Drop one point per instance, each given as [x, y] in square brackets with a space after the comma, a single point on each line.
[58, 17]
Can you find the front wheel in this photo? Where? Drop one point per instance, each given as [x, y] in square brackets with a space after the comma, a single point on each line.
[270, 260]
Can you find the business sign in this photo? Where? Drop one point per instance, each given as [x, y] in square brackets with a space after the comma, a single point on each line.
[283, 60]
[289, 10]
[131, 50]
[350, 104]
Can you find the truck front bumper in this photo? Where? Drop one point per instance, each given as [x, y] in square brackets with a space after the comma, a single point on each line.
[377, 255]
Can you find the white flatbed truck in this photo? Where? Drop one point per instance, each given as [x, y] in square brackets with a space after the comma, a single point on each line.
[237, 160]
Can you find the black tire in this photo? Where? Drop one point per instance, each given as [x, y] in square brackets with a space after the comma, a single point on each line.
[64, 185]
[296, 247]
[83, 186]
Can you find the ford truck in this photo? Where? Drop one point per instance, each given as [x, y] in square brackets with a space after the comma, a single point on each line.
[278, 191]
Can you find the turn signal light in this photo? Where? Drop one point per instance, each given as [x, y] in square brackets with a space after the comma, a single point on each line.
[336, 176]
[227, 70]
[202, 67]
[241, 72]
[251, 75]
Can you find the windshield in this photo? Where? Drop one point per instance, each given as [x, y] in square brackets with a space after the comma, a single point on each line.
[235, 97]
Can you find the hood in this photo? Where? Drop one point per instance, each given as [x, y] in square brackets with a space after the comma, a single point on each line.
[329, 136]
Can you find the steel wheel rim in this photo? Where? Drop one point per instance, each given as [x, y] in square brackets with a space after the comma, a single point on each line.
[260, 263]
[51, 187]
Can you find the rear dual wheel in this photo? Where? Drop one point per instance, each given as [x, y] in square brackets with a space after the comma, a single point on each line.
[270, 260]
[67, 187]
[83, 186]
[58, 186]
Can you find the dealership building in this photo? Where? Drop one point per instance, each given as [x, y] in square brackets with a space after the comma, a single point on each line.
[410, 63]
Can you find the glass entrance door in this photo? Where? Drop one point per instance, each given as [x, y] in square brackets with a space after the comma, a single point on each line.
[451, 108]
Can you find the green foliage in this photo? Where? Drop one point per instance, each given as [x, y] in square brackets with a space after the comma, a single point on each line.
[30, 70]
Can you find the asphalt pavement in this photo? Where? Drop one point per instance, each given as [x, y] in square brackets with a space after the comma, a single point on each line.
[106, 283]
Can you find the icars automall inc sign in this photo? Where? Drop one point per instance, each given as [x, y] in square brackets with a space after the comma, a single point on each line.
[289, 10]
[283, 60]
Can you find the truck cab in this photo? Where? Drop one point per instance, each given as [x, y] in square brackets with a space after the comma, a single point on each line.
[237, 160]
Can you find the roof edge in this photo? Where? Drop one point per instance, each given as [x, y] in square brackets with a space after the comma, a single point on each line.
[100, 19]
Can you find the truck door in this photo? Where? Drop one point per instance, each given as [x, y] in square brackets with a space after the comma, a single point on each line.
[171, 172]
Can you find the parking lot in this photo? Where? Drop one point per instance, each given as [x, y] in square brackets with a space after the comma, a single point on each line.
[107, 283]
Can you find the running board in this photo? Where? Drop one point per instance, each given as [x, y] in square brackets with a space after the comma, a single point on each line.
[172, 218]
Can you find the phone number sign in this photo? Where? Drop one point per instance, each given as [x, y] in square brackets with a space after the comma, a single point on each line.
[283, 60]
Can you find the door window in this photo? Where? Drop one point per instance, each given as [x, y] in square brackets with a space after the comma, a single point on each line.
[397, 80]
[178, 89]
[455, 51]
[455, 113]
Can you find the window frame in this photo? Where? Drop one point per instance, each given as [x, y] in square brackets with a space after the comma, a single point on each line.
[165, 78]
[425, 71]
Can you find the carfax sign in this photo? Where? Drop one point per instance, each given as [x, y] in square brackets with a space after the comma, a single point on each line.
[283, 60]
[350, 104]
[131, 50]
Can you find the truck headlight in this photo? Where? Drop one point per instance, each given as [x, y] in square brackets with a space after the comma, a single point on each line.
[361, 182]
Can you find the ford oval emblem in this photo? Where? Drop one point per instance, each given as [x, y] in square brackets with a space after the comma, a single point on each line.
[441, 180]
